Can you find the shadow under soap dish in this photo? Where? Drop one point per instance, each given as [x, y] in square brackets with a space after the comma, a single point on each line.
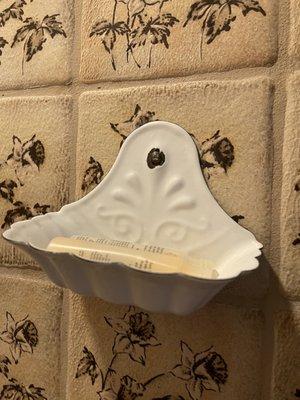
[154, 194]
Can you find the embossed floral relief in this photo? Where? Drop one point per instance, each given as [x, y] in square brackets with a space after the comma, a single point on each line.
[150, 23]
[135, 336]
[20, 336]
[23, 163]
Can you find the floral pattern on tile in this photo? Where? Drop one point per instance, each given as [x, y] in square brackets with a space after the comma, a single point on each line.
[216, 16]
[29, 336]
[127, 353]
[33, 159]
[143, 36]
[25, 159]
[34, 34]
[29, 43]
[200, 372]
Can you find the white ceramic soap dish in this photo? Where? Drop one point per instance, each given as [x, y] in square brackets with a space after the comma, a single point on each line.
[154, 194]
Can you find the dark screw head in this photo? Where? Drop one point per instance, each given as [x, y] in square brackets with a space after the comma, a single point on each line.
[155, 158]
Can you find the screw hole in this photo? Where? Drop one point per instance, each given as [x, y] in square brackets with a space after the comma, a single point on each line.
[155, 158]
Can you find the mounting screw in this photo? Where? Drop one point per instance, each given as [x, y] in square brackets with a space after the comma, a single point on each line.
[155, 158]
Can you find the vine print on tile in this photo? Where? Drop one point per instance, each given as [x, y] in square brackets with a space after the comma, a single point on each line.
[33, 32]
[134, 336]
[143, 30]
[25, 159]
[21, 337]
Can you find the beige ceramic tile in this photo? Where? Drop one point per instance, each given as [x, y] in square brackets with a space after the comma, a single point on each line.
[135, 39]
[286, 369]
[233, 140]
[30, 313]
[215, 349]
[35, 42]
[290, 205]
[295, 30]
[34, 161]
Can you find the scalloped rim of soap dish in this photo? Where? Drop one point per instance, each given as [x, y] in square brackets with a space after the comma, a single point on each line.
[252, 261]
[139, 271]
[255, 262]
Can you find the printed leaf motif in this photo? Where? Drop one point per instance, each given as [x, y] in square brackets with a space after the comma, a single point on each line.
[14, 11]
[126, 388]
[33, 33]
[217, 16]
[153, 31]
[22, 212]
[219, 20]
[7, 189]
[139, 30]
[16, 391]
[92, 175]
[53, 26]
[296, 242]
[130, 388]
[22, 336]
[28, 155]
[201, 371]
[107, 394]
[134, 333]
[237, 218]
[3, 43]
[198, 372]
[4, 362]
[136, 7]
[137, 119]
[217, 154]
[88, 366]
[249, 5]
[108, 32]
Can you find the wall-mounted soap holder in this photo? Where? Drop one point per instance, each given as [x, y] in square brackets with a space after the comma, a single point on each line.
[154, 194]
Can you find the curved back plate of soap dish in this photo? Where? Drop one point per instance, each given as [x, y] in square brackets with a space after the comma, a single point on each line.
[154, 194]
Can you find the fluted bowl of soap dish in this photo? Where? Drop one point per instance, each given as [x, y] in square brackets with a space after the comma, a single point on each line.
[154, 194]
